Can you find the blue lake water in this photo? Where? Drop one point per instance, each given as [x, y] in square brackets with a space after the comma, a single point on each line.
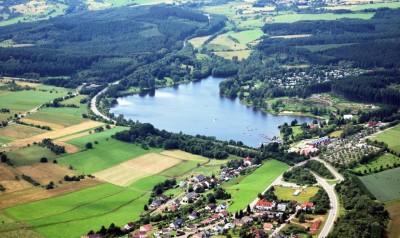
[197, 108]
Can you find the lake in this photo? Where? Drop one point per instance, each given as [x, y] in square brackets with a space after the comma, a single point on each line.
[197, 108]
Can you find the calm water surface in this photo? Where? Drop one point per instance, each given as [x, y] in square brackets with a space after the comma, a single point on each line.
[197, 108]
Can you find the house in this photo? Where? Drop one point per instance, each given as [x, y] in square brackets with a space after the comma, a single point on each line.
[307, 205]
[281, 207]
[258, 233]
[348, 117]
[191, 196]
[164, 198]
[193, 215]
[156, 203]
[198, 235]
[224, 213]
[224, 171]
[218, 229]
[296, 193]
[214, 217]
[264, 204]
[173, 208]
[221, 207]
[191, 227]
[92, 236]
[199, 178]
[210, 207]
[129, 226]
[247, 161]
[176, 224]
[229, 226]
[238, 222]
[146, 228]
[140, 234]
[206, 222]
[268, 226]
[176, 202]
[247, 219]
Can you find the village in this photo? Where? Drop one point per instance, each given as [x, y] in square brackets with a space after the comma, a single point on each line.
[201, 213]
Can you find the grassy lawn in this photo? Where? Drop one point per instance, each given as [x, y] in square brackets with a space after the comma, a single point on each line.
[284, 193]
[384, 160]
[107, 153]
[30, 155]
[246, 190]
[57, 118]
[240, 54]
[87, 209]
[385, 185]
[180, 169]
[394, 212]
[390, 137]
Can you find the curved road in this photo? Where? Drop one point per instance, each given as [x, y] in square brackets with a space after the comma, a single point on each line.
[330, 168]
[93, 105]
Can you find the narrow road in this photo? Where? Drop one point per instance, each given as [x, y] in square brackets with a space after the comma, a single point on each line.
[93, 105]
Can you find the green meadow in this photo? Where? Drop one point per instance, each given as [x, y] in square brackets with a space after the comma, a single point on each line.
[390, 137]
[107, 153]
[247, 190]
[84, 210]
[382, 161]
[289, 18]
[30, 155]
[385, 186]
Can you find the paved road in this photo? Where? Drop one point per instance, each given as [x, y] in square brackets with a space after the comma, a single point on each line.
[93, 105]
[330, 168]
[333, 212]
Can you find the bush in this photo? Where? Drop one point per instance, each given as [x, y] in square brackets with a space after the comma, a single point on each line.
[89, 145]
[43, 160]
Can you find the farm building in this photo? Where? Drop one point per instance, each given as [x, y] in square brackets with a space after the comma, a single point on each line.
[296, 193]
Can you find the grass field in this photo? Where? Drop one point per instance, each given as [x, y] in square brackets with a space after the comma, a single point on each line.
[106, 154]
[57, 118]
[180, 169]
[16, 131]
[385, 185]
[246, 191]
[240, 54]
[185, 155]
[384, 160]
[44, 173]
[87, 209]
[390, 137]
[146, 165]
[23, 101]
[393, 208]
[289, 18]
[30, 155]
[285, 193]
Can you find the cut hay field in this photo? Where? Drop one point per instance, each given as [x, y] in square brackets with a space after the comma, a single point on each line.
[146, 165]
[16, 132]
[240, 54]
[289, 18]
[390, 137]
[30, 155]
[44, 173]
[393, 208]
[247, 190]
[106, 154]
[285, 193]
[198, 41]
[384, 160]
[180, 169]
[86, 209]
[385, 186]
[185, 155]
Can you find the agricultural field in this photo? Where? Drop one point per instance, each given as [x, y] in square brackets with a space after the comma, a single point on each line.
[385, 186]
[180, 169]
[44, 173]
[105, 154]
[390, 137]
[240, 54]
[16, 132]
[384, 162]
[293, 17]
[393, 208]
[247, 190]
[23, 101]
[30, 155]
[57, 118]
[143, 166]
[286, 193]
[87, 209]
[185, 155]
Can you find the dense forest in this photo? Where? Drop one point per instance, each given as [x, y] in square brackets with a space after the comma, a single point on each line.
[319, 168]
[364, 216]
[99, 46]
